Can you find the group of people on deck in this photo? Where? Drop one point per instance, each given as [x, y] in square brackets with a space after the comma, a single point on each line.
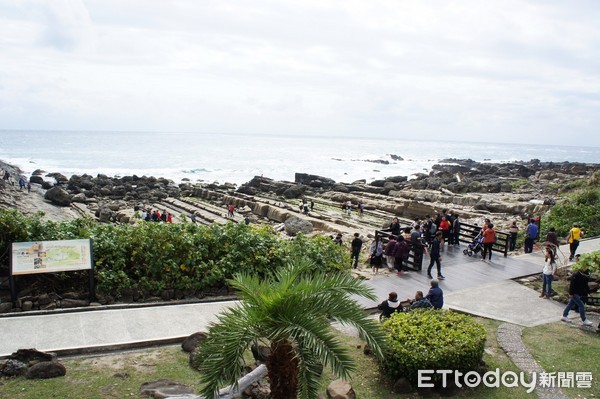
[433, 300]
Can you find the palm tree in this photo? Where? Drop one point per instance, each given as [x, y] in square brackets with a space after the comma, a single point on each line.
[291, 313]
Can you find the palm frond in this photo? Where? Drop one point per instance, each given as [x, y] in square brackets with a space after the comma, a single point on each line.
[220, 355]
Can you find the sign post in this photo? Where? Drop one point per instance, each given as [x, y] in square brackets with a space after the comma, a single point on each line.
[51, 257]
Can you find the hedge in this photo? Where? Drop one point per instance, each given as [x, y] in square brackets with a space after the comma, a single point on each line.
[431, 340]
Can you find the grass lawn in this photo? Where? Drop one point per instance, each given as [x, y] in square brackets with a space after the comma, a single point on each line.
[559, 347]
[120, 375]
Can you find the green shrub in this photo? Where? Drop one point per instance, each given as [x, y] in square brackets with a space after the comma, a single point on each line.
[432, 340]
[150, 257]
[589, 262]
[582, 207]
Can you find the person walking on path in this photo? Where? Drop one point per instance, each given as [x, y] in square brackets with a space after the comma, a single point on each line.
[434, 255]
[435, 295]
[514, 232]
[578, 287]
[575, 234]
[489, 239]
[531, 233]
[376, 254]
[355, 247]
[548, 273]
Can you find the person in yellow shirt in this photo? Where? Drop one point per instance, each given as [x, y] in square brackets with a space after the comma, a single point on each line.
[575, 234]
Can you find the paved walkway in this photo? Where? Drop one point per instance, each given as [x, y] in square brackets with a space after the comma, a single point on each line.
[117, 328]
[471, 286]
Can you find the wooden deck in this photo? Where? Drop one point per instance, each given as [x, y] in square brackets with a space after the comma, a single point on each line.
[461, 272]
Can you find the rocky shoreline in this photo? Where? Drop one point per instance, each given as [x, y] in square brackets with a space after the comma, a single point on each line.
[501, 192]
[475, 190]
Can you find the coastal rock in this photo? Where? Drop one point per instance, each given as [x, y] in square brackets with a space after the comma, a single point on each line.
[36, 179]
[81, 198]
[294, 192]
[307, 179]
[295, 225]
[58, 196]
[59, 177]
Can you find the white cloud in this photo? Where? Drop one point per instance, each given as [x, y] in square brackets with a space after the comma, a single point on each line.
[521, 70]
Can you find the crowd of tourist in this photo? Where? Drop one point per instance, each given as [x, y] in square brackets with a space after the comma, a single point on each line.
[150, 215]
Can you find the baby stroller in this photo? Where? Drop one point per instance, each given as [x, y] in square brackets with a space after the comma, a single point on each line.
[475, 246]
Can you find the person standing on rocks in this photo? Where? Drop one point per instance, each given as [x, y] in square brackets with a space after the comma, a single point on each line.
[548, 273]
[230, 210]
[435, 257]
[355, 247]
[514, 232]
[575, 234]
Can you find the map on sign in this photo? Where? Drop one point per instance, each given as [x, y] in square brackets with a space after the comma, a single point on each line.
[51, 256]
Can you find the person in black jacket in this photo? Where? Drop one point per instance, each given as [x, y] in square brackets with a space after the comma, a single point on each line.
[435, 257]
[578, 288]
[389, 306]
[355, 248]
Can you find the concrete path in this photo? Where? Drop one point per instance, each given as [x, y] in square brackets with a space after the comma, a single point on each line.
[506, 301]
[106, 329]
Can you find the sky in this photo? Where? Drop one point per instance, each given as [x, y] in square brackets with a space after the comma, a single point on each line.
[516, 71]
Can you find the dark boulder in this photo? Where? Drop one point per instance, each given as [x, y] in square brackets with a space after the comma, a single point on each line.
[13, 368]
[295, 191]
[44, 370]
[36, 179]
[58, 196]
[304, 178]
[191, 343]
[29, 356]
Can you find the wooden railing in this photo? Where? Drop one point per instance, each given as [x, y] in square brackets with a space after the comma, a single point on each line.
[468, 232]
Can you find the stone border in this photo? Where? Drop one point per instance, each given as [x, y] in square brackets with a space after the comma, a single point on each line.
[509, 339]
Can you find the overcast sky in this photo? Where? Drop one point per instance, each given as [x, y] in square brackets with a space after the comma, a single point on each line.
[503, 71]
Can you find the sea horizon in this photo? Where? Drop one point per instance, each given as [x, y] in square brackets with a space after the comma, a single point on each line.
[237, 158]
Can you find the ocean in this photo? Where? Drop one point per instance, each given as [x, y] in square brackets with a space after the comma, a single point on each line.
[237, 159]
